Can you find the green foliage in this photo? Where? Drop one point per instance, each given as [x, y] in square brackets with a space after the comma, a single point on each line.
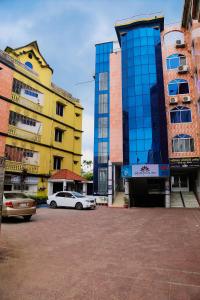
[88, 176]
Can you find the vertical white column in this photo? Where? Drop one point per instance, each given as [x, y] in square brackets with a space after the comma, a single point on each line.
[84, 188]
[167, 193]
[50, 188]
[109, 183]
[64, 185]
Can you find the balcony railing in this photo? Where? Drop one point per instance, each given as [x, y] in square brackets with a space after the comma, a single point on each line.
[25, 102]
[18, 65]
[14, 166]
[18, 132]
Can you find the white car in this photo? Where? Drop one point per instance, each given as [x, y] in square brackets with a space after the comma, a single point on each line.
[71, 199]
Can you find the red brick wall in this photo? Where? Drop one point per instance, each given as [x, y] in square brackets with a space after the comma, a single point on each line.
[116, 124]
[193, 128]
[6, 79]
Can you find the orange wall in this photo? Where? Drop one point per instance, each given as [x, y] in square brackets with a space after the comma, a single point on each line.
[193, 128]
[116, 124]
[6, 78]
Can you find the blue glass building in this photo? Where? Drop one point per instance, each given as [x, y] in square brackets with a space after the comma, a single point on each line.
[101, 123]
[143, 93]
[143, 102]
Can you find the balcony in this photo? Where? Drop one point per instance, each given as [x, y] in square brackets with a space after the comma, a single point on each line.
[14, 166]
[18, 132]
[27, 103]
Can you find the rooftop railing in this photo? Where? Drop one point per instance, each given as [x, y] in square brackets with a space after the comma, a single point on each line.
[137, 17]
[19, 65]
[14, 166]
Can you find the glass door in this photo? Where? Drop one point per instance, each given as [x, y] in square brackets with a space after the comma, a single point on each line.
[180, 183]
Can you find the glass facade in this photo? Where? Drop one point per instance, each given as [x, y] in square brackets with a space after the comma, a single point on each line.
[144, 120]
[101, 123]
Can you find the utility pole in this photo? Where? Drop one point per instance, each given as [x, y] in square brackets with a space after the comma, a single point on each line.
[2, 171]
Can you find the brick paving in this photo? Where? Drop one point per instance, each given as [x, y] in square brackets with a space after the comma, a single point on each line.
[106, 254]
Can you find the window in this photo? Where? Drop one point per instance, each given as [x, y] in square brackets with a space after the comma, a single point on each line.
[14, 118]
[28, 153]
[17, 154]
[180, 114]
[102, 152]
[182, 143]
[103, 81]
[59, 109]
[103, 128]
[103, 103]
[61, 194]
[178, 86]
[18, 85]
[29, 64]
[102, 180]
[57, 160]
[19, 187]
[198, 105]
[58, 135]
[175, 60]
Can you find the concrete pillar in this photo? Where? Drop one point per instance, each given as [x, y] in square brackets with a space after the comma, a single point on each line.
[109, 183]
[50, 188]
[114, 181]
[84, 188]
[64, 185]
[167, 193]
[127, 192]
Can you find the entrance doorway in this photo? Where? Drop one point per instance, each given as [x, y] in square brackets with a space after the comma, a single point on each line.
[180, 183]
[57, 187]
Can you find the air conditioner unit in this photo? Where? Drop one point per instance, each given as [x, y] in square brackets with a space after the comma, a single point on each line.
[186, 99]
[183, 69]
[173, 100]
[180, 44]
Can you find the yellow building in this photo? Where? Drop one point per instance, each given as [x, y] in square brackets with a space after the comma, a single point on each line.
[45, 124]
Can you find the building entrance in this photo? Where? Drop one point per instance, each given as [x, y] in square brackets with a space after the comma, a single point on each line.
[147, 192]
[180, 183]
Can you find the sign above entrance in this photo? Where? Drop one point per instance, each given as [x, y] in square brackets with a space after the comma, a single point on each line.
[145, 170]
[185, 162]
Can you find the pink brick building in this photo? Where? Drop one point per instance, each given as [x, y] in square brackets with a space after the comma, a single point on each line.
[6, 78]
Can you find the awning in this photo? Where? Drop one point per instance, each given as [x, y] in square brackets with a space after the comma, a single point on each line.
[65, 174]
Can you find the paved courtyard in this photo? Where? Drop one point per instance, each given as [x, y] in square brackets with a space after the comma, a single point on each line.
[103, 254]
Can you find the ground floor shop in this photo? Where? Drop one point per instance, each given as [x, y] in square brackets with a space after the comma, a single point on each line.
[155, 185]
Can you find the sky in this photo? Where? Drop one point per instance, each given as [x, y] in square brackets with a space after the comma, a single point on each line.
[67, 31]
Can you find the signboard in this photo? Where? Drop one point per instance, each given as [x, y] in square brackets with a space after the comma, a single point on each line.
[185, 162]
[2, 160]
[32, 96]
[145, 170]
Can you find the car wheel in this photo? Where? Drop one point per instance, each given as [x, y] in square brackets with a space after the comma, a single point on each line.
[79, 206]
[27, 218]
[53, 204]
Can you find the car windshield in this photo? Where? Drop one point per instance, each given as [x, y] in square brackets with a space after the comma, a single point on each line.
[14, 195]
[77, 195]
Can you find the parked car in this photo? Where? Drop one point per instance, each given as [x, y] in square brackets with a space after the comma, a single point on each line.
[71, 199]
[18, 204]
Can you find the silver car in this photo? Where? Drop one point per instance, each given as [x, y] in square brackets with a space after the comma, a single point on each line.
[18, 204]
